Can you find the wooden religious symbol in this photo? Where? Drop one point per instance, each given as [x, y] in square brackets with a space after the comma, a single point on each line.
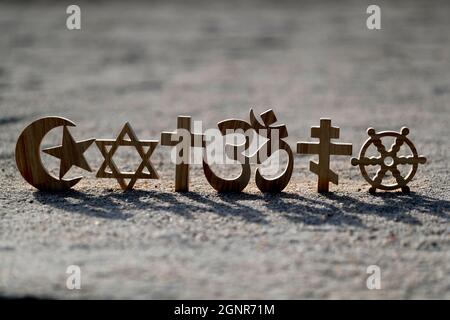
[240, 182]
[278, 183]
[70, 153]
[183, 139]
[134, 142]
[388, 160]
[237, 184]
[324, 148]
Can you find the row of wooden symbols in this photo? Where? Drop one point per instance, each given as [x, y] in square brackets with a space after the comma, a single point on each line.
[70, 153]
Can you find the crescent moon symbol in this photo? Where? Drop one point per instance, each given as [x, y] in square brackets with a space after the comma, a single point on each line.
[28, 155]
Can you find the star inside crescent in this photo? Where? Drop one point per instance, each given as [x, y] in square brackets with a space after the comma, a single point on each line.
[70, 153]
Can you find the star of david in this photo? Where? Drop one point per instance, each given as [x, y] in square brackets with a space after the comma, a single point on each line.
[121, 141]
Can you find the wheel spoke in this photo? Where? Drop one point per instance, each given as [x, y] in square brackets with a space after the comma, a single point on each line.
[409, 160]
[379, 145]
[370, 161]
[396, 145]
[379, 176]
[398, 177]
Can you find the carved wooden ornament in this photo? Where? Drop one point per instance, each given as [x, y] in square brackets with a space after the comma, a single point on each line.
[183, 141]
[28, 154]
[240, 182]
[276, 184]
[388, 160]
[122, 141]
[70, 153]
[324, 148]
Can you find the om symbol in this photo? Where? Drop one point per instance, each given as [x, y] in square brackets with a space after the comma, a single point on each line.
[274, 134]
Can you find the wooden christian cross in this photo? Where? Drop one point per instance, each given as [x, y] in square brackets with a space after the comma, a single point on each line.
[183, 140]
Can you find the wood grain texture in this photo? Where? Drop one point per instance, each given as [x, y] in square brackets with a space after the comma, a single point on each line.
[275, 134]
[238, 183]
[183, 140]
[28, 156]
[278, 183]
[235, 152]
[388, 160]
[324, 148]
[70, 153]
[133, 141]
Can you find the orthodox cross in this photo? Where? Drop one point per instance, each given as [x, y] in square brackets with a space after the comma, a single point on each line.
[324, 148]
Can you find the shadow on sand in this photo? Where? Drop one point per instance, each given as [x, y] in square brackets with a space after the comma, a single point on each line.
[331, 209]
